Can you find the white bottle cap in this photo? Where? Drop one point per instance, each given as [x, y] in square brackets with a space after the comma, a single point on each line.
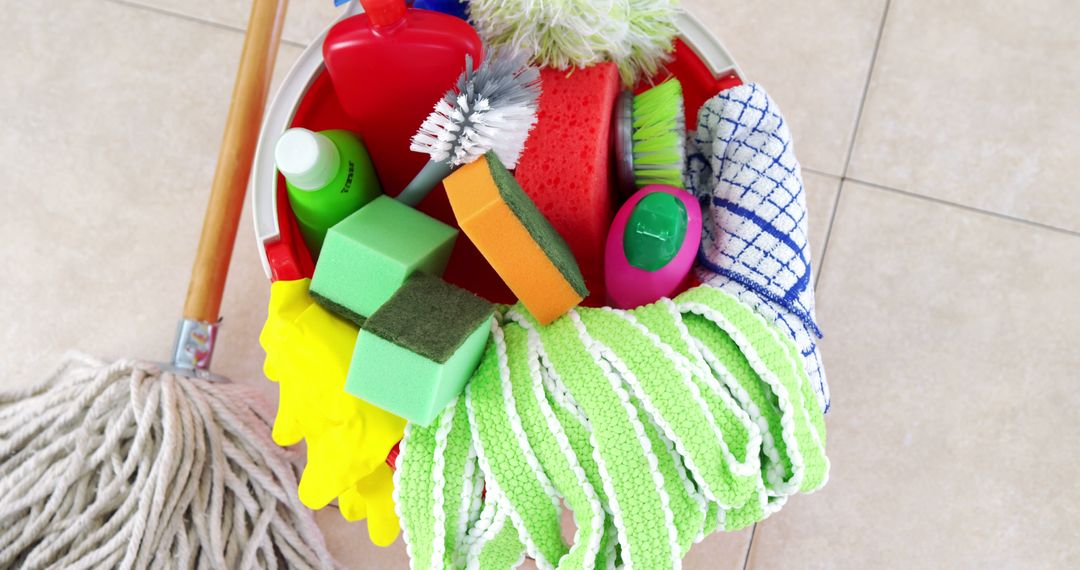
[308, 160]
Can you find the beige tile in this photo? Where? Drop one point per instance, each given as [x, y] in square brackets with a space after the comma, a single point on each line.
[812, 57]
[721, 551]
[952, 358]
[349, 543]
[971, 102]
[108, 149]
[820, 199]
[304, 19]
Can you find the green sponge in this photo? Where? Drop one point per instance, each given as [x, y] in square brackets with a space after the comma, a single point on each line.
[367, 256]
[417, 351]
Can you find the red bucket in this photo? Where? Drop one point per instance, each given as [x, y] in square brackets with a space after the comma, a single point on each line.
[306, 99]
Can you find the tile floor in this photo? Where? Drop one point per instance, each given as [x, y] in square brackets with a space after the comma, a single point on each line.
[939, 146]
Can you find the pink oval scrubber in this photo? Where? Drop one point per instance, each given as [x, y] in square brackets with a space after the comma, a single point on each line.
[666, 235]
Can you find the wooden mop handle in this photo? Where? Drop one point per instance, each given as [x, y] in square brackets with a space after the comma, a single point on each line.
[234, 161]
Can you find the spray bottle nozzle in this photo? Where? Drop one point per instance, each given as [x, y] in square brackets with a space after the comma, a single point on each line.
[384, 13]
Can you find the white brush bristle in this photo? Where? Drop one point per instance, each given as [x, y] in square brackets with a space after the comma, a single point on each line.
[492, 109]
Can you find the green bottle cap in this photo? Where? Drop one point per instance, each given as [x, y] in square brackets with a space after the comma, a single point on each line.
[655, 232]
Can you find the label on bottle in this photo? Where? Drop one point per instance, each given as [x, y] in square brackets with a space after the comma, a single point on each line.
[349, 179]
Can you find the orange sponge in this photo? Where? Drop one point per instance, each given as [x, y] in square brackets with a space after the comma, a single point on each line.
[565, 169]
[505, 225]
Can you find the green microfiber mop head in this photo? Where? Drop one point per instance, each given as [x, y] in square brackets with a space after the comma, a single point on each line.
[636, 34]
[653, 427]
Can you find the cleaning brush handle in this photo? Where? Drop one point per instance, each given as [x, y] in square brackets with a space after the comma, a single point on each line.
[253, 77]
[434, 172]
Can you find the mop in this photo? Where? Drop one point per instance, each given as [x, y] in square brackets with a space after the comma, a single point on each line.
[132, 464]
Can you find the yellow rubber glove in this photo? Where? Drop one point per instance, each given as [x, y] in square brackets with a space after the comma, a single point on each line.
[288, 299]
[373, 498]
[308, 351]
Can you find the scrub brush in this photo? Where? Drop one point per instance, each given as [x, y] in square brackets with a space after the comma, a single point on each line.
[492, 108]
[649, 138]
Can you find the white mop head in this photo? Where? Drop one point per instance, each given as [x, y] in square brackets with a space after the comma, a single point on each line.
[125, 466]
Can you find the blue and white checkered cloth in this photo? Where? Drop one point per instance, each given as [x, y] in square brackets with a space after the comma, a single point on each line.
[742, 166]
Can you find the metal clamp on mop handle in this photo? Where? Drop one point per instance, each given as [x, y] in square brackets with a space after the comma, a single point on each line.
[194, 345]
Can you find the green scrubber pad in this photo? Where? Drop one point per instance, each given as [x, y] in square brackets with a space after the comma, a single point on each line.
[430, 317]
[417, 351]
[537, 225]
[370, 254]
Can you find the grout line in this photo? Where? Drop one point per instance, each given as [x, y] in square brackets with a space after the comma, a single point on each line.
[943, 202]
[749, 546]
[166, 12]
[828, 233]
[818, 172]
[866, 87]
[965, 207]
[188, 17]
[851, 145]
[839, 190]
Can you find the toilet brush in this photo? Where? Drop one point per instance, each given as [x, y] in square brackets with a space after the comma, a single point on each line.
[134, 464]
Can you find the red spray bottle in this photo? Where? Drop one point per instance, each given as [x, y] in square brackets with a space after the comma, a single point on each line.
[389, 66]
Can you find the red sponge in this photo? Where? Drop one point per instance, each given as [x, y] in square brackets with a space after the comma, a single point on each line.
[565, 167]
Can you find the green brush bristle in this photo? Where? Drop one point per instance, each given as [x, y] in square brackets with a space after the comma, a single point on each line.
[660, 136]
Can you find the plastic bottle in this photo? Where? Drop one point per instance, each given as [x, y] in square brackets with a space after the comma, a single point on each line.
[329, 175]
[389, 67]
[651, 246]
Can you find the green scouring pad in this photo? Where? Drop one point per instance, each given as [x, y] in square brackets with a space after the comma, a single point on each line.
[414, 354]
[516, 239]
[369, 255]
